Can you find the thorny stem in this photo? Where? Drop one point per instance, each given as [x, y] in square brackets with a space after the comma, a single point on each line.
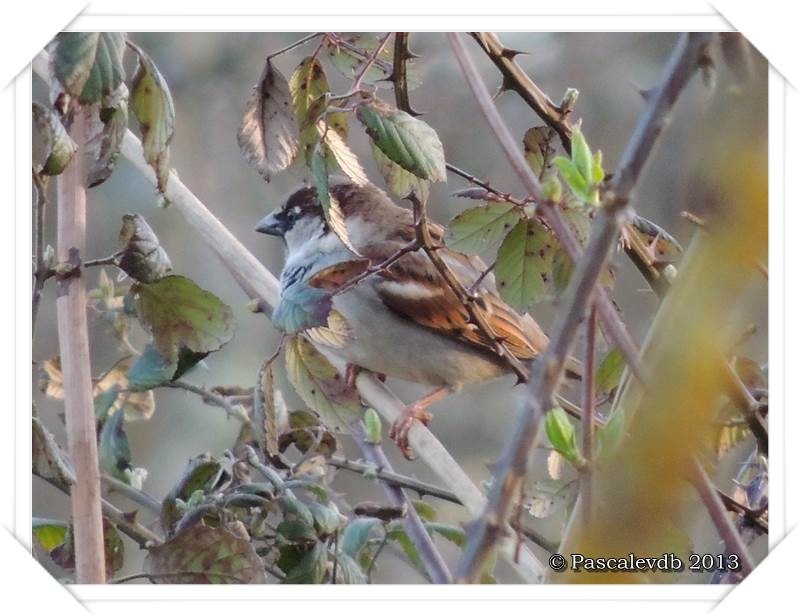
[143, 536]
[514, 78]
[432, 560]
[719, 515]
[587, 420]
[399, 76]
[476, 316]
[378, 267]
[511, 469]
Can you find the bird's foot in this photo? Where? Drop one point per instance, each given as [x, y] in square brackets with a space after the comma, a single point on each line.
[402, 425]
[351, 374]
[415, 412]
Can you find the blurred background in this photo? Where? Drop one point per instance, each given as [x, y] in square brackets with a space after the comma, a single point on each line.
[210, 76]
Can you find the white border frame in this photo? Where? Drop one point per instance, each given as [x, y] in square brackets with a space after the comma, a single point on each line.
[95, 595]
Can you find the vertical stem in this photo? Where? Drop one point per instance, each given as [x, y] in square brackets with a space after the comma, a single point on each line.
[587, 419]
[73, 340]
[39, 274]
[430, 556]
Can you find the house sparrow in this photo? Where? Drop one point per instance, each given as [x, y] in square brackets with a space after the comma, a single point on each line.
[404, 321]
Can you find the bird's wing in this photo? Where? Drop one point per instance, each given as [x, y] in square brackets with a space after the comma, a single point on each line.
[414, 288]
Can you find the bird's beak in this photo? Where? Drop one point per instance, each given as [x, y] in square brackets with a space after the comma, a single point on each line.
[272, 225]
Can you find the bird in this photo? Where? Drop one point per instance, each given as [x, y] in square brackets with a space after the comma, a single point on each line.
[404, 320]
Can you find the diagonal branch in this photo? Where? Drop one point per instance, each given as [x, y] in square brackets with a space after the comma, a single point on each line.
[514, 78]
[511, 469]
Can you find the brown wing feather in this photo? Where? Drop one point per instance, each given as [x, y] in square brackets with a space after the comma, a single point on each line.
[414, 288]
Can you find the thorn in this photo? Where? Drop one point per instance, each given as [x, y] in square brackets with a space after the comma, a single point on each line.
[510, 54]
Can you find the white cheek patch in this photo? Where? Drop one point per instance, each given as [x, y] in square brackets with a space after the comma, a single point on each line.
[410, 290]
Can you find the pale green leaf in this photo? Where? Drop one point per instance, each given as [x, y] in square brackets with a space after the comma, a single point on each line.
[524, 265]
[480, 229]
[88, 65]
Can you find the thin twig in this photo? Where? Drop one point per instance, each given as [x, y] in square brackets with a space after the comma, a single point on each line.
[210, 397]
[476, 316]
[137, 496]
[297, 43]
[401, 481]
[378, 267]
[511, 469]
[719, 515]
[143, 536]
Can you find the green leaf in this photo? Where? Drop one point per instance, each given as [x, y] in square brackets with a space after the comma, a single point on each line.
[295, 531]
[573, 178]
[113, 449]
[152, 105]
[401, 182]
[581, 155]
[178, 314]
[103, 402]
[400, 537]
[58, 146]
[105, 144]
[598, 173]
[201, 473]
[453, 534]
[150, 370]
[580, 224]
[348, 570]
[63, 554]
[372, 425]
[327, 519]
[302, 307]
[307, 85]
[295, 509]
[268, 137]
[525, 264]
[480, 229]
[611, 434]
[49, 533]
[357, 534]
[425, 510]
[312, 567]
[88, 65]
[548, 497]
[609, 372]
[561, 433]
[539, 151]
[143, 257]
[320, 385]
[205, 555]
[405, 140]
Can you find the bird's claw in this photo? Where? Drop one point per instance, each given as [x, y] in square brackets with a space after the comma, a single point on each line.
[402, 426]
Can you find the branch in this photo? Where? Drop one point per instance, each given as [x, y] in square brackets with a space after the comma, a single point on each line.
[514, 78]
[399, 76]
[212, 398]
[73, 341]
[431, 558]
[611, 321]
[137, 496]
[511, 469]
[587, 420]
[719, 515]
[143, 536]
